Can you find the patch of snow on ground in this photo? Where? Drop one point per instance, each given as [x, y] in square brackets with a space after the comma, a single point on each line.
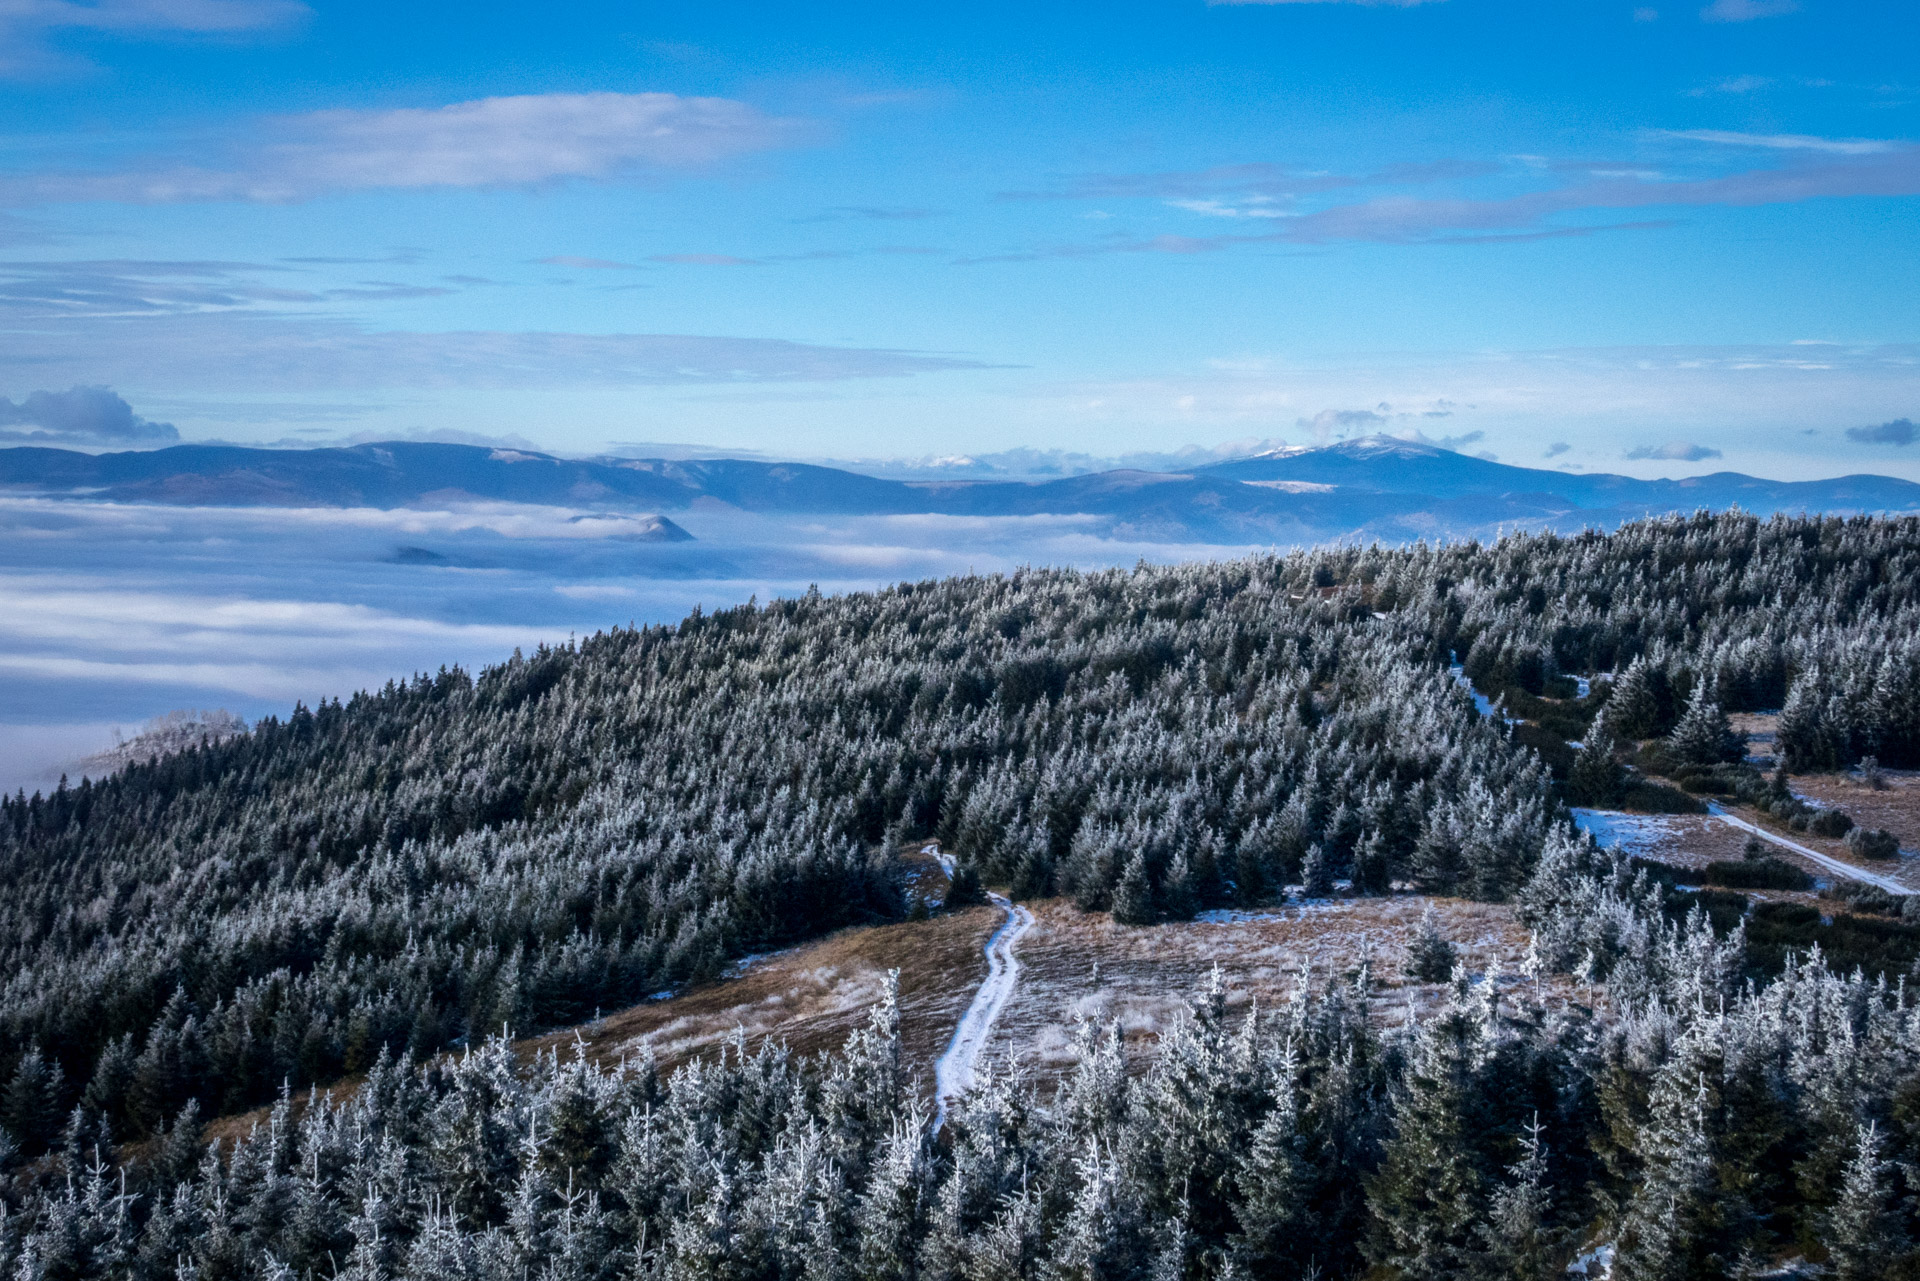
[1480, 701]
[1594, 1263]
[742, 964]
[1634, 833]
[1292, 912]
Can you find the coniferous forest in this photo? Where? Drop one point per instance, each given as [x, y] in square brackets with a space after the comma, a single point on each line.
[381, 888]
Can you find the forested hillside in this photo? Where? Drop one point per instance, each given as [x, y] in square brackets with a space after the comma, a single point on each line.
[368, 882]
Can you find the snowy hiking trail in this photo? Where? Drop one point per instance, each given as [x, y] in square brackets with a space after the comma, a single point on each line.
[953, 1073]
[1832, 864]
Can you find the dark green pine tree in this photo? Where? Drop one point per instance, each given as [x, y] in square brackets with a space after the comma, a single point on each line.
[1430, 956]
[579, 1146]
[1278, 1234]
[106, 1093]
[1520, 1238]
[1431, 1189]
[1675, 1227]
[1864, 1235]
[1373, 865]
[963, 887]
[1596, 778]
[1642, 700]
[1704, 737]
[31, 1106]
[1133, 898]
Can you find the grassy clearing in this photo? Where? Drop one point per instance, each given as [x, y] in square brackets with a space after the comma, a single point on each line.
[1897, 808]
[1078, 964]
[812, 996]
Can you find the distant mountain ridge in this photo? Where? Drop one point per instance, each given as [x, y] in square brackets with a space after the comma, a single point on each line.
[1377, 487]
[1396, 466]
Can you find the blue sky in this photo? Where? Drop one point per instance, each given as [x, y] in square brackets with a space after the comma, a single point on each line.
[1656, 239]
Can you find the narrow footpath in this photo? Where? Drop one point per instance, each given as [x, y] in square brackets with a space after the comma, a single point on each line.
[953, 1074]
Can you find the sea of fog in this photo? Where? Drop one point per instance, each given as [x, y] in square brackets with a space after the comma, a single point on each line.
[112, 614]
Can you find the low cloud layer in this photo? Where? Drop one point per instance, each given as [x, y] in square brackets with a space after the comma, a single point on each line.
[527, 140]
[1898, 432]
[78, 416]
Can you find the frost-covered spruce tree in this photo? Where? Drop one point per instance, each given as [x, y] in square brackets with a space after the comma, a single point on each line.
[1864, 1233]
[1704, 737]
[1431, 1191]
[1807, 737]
[1316, 872]
[1641, 704]
[1134, 902]
[1521, 1239]
[1596, 777]
[1278, 1233]
[1431, 956]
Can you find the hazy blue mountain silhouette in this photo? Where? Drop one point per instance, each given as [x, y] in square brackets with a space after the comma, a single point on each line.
[1378, 487]
[1405, 467]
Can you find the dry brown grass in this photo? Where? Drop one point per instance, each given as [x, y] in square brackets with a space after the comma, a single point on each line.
[1897, 808]
[811, 996]
[1762, 730]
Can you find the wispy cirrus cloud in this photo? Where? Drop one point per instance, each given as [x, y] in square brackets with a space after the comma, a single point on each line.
[1270, 183]
[528, 140]
[27, 25]
[1783, 141]
[1733, 85]
[37, 292]
[587, 264]
[250, 352]
[703, 260]
[1747, 10]
[1368, 4]
[872, 213]
[1813, 168]
[232, 326]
